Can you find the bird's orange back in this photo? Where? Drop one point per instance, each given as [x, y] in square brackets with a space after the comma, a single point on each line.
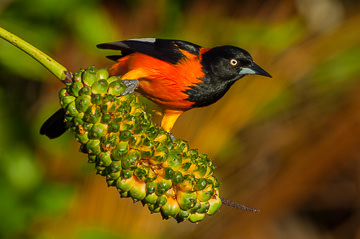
[160, 81]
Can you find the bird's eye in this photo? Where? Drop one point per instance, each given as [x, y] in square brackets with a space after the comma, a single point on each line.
[233, 62]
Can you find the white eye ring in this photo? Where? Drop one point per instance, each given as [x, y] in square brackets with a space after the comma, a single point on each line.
[233, 62]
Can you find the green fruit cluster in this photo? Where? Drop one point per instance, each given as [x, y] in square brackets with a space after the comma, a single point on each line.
[141, 160]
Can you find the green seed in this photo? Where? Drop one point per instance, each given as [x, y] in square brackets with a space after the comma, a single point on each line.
[163, 186]
[205, 194]
[120, 152]
[102, 74]
[108, 141]
[82, 138]
[178, 177]
[112, 78]
[141, 174]
[196, 217]
[186, 200]
[138, 191]
[99, 87]
[106, 118]
[182, 215]
[214, 205]
[97, 131]
[82, 103]
[114, 127]
[63, 92]
[78, 76]
[85, 91]
[204, 207]
[169, 173]
[131, 160]
[92, 158]
[105, 159]
[174, 160]
[71, 109]
[152, 132]
[67, 100]
[92, 115]
[196, 207]
[93, 146]
[154, 208]
[151, 198]
[201, 170]
[116, 88]
[126, 173]
[89, 76]
[124, 194]
[125, 135]
[75, 88]
[200, 184]
[170, 209]
[124, 185]
[112, 177]
[96, 99]
[150, 187]
[161, 201]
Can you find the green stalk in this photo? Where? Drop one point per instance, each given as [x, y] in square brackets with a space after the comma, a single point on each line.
[53, 66]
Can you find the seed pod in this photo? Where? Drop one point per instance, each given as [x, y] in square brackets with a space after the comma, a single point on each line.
[133, 154]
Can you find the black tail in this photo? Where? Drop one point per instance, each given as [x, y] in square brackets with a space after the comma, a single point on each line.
[55, 125]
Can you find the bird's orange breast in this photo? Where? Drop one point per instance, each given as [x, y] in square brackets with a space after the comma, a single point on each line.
[160, 81]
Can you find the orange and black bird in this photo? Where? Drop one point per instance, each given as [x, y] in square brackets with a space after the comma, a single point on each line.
[177, 75]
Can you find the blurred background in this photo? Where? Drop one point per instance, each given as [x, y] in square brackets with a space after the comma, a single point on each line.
[289, 146]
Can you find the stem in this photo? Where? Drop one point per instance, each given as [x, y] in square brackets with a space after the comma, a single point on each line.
[53, 66]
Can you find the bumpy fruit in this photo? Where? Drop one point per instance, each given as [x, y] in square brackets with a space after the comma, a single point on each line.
[138, 158]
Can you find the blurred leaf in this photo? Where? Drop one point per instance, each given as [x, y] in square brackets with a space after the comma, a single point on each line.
[279, 36]
[53, 198]
[14, 215]
[44, 11]
[281, 102]
[339, 69]
[10, 58]
[4, 122]
[98, 233]
[16, 60]
[92, 26]
[21, 169]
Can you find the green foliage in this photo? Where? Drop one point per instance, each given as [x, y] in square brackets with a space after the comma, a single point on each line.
[44, 23]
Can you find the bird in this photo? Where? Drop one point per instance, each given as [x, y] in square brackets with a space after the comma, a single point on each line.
[175, 74]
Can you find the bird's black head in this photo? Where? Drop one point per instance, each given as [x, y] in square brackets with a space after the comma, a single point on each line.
[222, 67]
[229, 63]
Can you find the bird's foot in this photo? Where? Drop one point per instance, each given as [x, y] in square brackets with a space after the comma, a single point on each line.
[131, 86]
[172, 137]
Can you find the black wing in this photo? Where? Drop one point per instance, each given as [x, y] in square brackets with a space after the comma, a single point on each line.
[166, 50]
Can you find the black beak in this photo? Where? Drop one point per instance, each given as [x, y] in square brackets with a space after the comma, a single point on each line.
[254, 69]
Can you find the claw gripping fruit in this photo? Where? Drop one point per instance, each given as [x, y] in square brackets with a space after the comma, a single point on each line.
[138, 158]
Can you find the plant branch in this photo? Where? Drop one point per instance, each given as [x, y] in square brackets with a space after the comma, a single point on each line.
[53, 66]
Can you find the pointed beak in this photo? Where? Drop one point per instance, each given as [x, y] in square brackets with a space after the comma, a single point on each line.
[254, 70]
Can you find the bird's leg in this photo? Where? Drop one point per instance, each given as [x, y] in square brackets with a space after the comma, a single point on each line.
[172, 137]
[169, 118]
[131, 86]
